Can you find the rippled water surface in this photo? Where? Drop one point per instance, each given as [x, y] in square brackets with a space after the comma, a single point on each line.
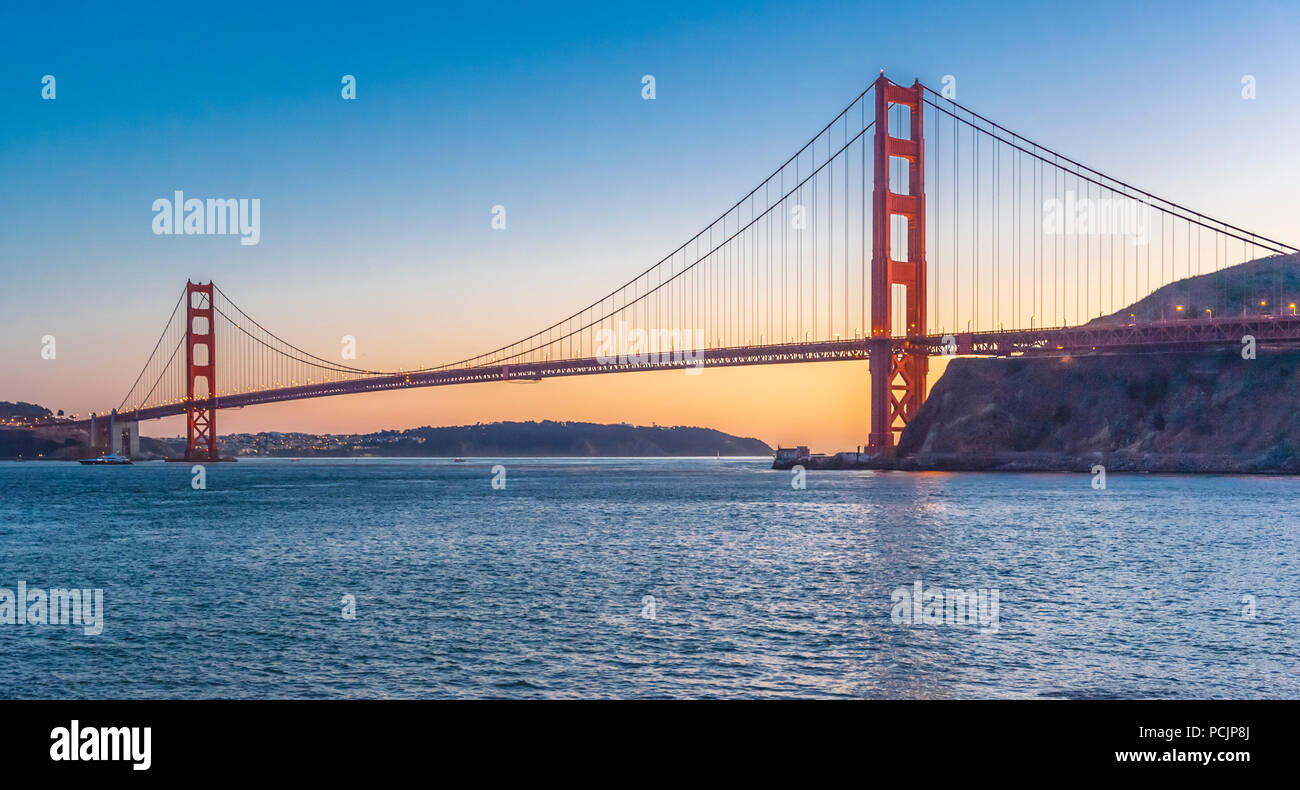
[539, 590]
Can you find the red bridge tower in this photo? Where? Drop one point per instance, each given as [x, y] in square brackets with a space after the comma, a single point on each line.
[897, 378]
[200, 373]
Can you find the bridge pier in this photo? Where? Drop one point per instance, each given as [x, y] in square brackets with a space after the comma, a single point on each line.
[109, 434]
[130, 436]
[878, 365]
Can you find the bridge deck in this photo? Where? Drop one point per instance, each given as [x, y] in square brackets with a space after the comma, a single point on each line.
[1181, 335]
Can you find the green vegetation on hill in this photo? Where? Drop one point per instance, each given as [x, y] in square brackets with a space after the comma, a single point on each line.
[1236, 290]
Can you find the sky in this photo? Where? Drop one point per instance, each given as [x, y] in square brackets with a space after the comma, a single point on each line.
[376, 212]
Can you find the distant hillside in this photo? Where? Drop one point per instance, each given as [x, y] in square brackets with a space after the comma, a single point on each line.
[1232, 291]
[22, 443]
[1200, 411]
[547, 438]
[16, 442]
[20, 410]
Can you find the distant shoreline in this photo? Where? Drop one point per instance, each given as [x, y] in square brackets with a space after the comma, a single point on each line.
[544, 439]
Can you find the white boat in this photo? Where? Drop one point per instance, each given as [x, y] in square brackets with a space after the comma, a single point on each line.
[113, 459]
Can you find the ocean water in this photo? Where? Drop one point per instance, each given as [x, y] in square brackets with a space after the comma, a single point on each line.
[1156, 586]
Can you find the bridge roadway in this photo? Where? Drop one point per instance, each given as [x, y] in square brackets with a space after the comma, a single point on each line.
[1163, 336]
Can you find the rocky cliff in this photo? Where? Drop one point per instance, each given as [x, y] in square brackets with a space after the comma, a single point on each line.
[1197, 412]
[1203, 411]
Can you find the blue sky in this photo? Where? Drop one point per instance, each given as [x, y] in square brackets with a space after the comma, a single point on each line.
[375, 212]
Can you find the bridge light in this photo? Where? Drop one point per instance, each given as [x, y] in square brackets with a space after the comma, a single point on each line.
[1180, 308]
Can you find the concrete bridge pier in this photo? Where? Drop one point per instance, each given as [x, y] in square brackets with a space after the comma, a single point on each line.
[109, 434]
[128, 439]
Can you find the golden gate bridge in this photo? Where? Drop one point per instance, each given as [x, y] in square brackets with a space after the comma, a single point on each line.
[907, 227]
